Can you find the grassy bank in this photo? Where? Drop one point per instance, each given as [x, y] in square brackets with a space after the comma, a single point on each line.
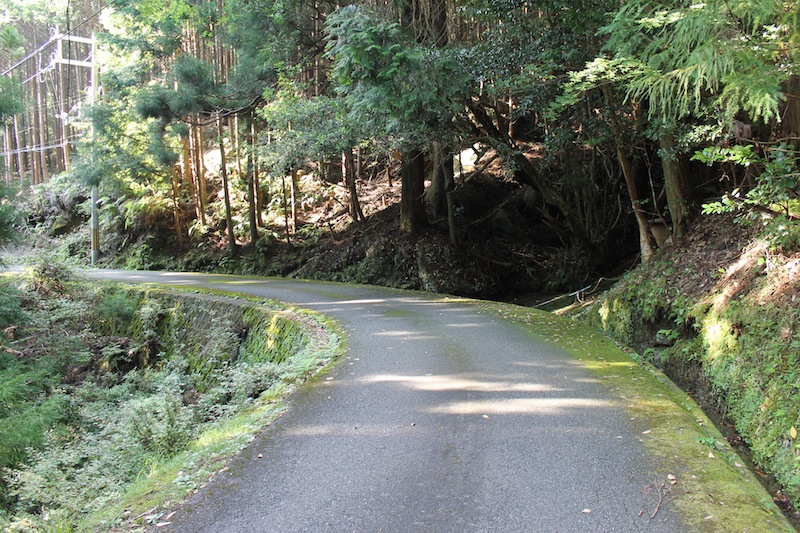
[719, 313]
[117, 402]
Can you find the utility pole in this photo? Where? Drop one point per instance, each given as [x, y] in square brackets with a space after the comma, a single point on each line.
[95, 223]
[41, 144]
[94, 80]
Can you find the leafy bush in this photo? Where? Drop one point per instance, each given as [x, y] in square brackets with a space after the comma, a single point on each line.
[773, 199]
[10, 307]
[8, 214]
[115, 311]
[49, 275]
[84, 415]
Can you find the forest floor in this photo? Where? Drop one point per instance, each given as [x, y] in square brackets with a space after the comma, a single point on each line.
[506, 251]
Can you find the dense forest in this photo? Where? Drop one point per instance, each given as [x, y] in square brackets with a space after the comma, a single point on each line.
[489, 148]
[572, 126]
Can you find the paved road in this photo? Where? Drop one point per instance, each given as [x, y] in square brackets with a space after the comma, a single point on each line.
[441, 418]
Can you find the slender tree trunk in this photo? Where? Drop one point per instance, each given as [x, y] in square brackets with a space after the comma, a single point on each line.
[678, 190]
[8, 161]
[176, 205]
[349, 173]
[791, 115]
[259, 200]
[64, 130]
[188, 173]
[435, 194]
[286, 209]
[200, 174]
[412, 204]
[20, 159]
[448, 172]
[293, 187]
[42, 152]
[251, 187]
[36, 138]
[645, 240]
[223, 171]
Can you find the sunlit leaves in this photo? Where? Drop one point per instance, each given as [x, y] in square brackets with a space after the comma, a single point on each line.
[10, 98]
[703, 56]
[408, 90]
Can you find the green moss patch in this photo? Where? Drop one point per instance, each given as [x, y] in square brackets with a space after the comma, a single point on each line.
[700, 474]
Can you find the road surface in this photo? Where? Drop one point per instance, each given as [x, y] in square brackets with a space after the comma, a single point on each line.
[440, 418]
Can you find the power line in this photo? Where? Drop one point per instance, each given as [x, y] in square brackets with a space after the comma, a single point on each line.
[53, 38]
[41, 148]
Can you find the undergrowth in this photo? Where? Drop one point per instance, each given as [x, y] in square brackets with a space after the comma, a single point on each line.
[102, 388]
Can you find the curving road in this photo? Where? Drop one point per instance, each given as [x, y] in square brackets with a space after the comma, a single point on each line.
[440, 418]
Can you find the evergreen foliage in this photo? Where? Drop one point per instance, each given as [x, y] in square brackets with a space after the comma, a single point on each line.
[393, 86]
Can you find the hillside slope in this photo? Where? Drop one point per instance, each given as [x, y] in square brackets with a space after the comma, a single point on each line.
[718, 312]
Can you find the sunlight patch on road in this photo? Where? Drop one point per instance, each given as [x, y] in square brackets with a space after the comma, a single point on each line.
[347, 429]
[516, 406]
[361, 302]
[455, 383]
[406, 335]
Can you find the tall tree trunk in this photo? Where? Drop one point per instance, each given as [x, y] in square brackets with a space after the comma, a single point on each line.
[448, 172]
[678, 190]
[36, 166]
[349, 174]
[435, 194]
[259, 200]
[176, 205]
[188, 173]
[286, 209]
[63, 131]
[223, 171]
[19, 145]
[8, 160]
[293, 187]
[412, 204]
[645, 240]
[251, 187]
[441, 193]
[200, 173]
[791, 114]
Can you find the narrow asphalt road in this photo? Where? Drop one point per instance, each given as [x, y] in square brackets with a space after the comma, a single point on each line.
[440, 418]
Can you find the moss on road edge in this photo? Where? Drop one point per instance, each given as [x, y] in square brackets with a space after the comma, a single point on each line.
[698, 471]
[150, 500]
